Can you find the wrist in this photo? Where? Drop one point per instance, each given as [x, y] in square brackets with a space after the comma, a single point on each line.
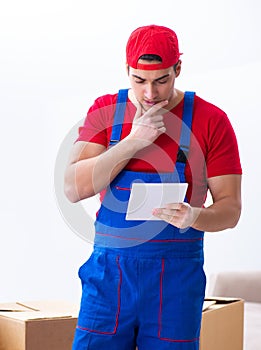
[136, 143]
[196, 217]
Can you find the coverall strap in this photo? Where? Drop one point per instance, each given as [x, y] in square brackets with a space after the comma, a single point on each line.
[119, 116]
[186, 126]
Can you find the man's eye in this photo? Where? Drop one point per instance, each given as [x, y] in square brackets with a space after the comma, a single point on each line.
[162, 81]
[139, 81]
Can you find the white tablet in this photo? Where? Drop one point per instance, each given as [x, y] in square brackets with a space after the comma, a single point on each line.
[145, 197]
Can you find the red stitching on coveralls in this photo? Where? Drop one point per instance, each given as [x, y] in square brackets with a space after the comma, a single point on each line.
[161, 285]
[151, 240]
[160, 312]
[122, 188]
[118, 309]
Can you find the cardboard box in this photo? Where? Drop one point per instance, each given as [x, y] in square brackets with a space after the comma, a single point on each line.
[50, 325]
[37, 325]
[222, 324]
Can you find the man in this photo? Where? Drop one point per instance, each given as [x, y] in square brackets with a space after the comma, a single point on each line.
[144, 283]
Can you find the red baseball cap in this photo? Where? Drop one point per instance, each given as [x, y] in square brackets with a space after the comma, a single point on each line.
[156, 40]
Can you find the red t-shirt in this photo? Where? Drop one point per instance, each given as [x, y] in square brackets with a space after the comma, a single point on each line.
[213, 147]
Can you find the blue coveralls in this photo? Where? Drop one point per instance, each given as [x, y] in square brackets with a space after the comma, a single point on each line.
[144, 282]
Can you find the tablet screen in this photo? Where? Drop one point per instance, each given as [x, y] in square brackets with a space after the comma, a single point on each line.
[145, 197]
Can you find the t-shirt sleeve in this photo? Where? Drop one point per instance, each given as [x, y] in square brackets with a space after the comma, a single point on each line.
[223, 154]
[97, 123]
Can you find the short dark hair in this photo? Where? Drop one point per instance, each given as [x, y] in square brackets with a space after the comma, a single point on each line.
[151, 57]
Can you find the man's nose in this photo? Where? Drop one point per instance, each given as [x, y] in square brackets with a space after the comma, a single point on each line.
[150, 91]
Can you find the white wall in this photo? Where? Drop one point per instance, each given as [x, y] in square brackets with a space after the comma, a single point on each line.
[56, 57]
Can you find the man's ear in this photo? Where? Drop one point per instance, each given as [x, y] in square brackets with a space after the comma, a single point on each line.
[178, 68]
[127, 68]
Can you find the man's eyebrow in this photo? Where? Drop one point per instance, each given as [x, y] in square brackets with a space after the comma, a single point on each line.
[136, 76]
[162, 77]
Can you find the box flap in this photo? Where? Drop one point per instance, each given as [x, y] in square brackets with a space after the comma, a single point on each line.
[207, 304]
[12, 307]
[35, 310]
[222, 300]
[213, 303]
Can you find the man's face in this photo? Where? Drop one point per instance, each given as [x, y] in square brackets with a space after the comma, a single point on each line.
[153, 86]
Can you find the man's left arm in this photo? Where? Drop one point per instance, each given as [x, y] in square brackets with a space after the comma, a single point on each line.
[222, 214]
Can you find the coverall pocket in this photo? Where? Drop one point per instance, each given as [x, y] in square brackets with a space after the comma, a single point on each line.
[182, 290]
[101, 278]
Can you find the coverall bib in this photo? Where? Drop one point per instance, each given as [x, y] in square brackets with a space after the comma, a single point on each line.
[144, 282]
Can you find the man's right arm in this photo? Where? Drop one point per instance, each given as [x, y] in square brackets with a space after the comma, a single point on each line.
[91, 167]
